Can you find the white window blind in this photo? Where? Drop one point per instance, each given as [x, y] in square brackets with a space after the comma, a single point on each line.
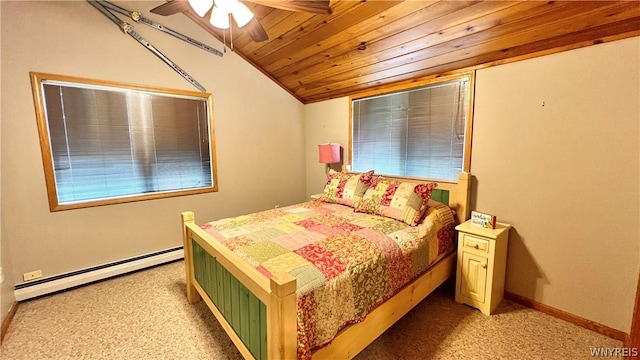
[417, 133]
[109, 144]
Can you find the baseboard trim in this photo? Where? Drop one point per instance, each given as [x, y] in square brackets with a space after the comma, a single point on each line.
[568, 317]
[7, 320]
[57, 283]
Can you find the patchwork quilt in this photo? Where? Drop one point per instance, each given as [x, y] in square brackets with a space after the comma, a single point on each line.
[341, 259]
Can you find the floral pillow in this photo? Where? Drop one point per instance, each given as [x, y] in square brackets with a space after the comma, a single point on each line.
[402, 201]
[343, 188]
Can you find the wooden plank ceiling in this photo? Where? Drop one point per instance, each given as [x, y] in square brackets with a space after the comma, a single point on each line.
[364, 45]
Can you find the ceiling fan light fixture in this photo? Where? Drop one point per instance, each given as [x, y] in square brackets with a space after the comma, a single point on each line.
[226, 5]
[241, 14]
[201, 6]
[219, 18]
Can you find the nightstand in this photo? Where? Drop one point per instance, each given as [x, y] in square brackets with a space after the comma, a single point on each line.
[316, 196]
[482, 262]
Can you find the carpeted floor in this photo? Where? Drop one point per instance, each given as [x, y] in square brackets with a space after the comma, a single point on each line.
[145, 315]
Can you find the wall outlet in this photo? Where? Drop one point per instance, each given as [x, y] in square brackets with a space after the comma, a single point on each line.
[32, 275]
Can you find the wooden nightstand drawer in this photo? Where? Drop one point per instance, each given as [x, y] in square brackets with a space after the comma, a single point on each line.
[474, 243]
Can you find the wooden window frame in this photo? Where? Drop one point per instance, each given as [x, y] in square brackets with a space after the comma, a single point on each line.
[45, 143]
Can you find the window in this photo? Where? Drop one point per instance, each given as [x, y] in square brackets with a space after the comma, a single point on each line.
[420, 132]
[105, 143]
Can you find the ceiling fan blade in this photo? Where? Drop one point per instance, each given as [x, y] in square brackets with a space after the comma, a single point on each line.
[170, 8]
[310, 6]
[255, 31]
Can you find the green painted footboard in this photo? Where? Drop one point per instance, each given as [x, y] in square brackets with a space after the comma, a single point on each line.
[246, 314]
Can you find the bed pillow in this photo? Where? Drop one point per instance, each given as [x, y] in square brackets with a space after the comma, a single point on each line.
[343, 188]
[402, 201]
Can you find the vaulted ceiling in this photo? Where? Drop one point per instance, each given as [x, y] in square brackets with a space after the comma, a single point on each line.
[370, 44]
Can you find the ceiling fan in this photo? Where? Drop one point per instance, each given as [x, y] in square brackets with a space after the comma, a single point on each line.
[220, 12]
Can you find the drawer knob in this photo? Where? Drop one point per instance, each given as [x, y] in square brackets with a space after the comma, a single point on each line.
[484, 266]
[476, 246]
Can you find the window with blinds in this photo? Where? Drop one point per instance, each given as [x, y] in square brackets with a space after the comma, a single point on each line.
[104, 145]
[415, 133]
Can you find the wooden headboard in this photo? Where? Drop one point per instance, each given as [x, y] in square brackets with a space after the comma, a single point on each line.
[456, 194]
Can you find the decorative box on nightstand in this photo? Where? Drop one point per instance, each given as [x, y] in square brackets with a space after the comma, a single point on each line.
[482, 262]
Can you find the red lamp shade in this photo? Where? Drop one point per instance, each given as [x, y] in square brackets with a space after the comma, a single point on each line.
[329, 153]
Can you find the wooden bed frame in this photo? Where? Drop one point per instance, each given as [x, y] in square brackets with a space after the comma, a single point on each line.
[259, 314]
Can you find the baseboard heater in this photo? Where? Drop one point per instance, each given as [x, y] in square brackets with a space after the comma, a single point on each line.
[44, 286]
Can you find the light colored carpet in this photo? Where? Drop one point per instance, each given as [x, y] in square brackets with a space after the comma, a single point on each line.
[145, 315]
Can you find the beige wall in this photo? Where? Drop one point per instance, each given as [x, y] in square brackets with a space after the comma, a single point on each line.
[325, 123]
[565, 175]
[6, 288]
[259, 135]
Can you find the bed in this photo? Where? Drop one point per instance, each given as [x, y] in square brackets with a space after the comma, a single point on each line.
[269, 292]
